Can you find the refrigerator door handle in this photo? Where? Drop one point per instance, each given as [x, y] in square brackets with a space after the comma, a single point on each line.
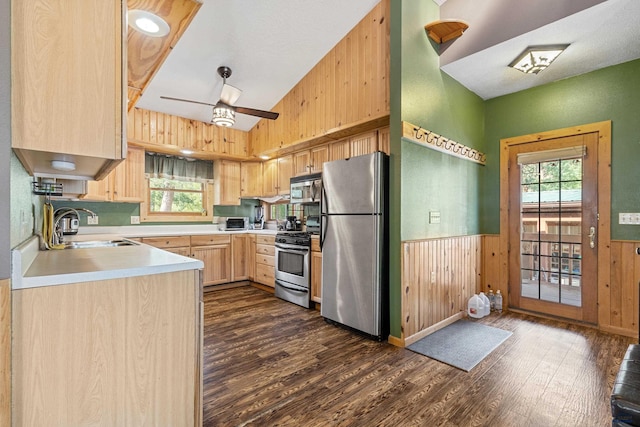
[323, 230]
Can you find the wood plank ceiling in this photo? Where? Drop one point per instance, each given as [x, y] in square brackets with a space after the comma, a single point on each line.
[146, 54]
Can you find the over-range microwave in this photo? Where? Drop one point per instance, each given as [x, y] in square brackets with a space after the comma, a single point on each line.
[306, 189]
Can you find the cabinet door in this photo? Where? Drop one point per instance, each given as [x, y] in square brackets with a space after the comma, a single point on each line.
[365, 143]
[217, 263]
[99, 191]
[316, 276]
[339, 150]
[128, 182]
[319, 155]
[251, 257]
[285, 169]
[239, 263]
[384, 140]
[301, 163]
[67, 67]
[251, 177]
[270, 178]
[227, 183]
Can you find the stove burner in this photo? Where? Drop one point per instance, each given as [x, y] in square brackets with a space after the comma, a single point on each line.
[299, 238]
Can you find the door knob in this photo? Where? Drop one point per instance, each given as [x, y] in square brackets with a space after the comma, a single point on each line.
[592, 236]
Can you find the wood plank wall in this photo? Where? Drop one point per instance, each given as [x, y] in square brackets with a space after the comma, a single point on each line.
[438, 278]
[348, 86]
[619, 301]
[169, 133]
[622, 295]
[5, 352]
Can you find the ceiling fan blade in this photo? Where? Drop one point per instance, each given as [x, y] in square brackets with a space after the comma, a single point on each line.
[187, 100]
[258, 113]
[229, 94]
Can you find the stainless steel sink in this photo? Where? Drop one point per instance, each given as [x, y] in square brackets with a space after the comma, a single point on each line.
[99, 244]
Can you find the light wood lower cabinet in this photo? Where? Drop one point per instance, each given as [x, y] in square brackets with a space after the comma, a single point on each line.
[180, 245]
[215, 251]
[119, 352]
[240, 262]
[316, 271]
[265, 260]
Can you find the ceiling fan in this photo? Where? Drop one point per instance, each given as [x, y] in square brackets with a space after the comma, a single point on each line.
[224, 112]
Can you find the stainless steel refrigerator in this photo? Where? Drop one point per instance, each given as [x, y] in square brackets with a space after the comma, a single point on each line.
[354, 240]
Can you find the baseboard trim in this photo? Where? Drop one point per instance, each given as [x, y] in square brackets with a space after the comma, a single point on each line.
[431, 329]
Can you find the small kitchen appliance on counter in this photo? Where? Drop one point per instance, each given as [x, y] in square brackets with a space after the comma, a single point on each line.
[237, 223]
[313, 224]
[258, 219]
[293, 224]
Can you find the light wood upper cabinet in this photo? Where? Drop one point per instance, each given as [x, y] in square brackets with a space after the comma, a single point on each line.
[67, 84]
[310, 161]
[226, 178]
[365, 143]
[251, 179]
[277, 175]
[384, 140]
[285, 171]
[340, 150]
[124, 184]
[301, 163]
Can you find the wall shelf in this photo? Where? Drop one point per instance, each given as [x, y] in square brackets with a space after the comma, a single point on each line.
[445, 30]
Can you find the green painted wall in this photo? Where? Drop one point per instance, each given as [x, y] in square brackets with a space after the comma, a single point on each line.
[423, 179]
[119, 214]
[608, 94]
[26, 208]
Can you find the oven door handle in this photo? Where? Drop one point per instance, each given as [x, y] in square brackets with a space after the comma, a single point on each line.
[296, 289]
[292, 248]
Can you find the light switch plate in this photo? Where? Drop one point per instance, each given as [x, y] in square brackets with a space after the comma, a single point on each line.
[92, 220]
[434, 217]
[135, 219]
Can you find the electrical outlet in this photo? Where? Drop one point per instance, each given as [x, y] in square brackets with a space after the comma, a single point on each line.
[135, 219]
[92, 220]
[433, 277]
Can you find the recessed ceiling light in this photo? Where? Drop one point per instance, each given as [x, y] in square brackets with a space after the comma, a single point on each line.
[148, 23]
[187, 152]
[263, 157]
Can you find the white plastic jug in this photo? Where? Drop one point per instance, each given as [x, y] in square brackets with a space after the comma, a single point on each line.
[487, 304]
[475, 307]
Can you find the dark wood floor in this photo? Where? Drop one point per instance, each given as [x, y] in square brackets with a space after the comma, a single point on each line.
[268, 362]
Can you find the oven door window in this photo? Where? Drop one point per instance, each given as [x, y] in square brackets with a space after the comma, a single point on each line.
[291, 262]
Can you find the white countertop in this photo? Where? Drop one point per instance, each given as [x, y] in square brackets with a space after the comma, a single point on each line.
[34, 268]
[161, 230]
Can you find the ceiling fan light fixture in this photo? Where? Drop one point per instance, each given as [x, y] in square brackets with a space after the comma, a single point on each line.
[223, 116]
[147, 23]
[537, 58]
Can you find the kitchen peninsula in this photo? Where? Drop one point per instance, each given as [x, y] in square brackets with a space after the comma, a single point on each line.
[106, 336]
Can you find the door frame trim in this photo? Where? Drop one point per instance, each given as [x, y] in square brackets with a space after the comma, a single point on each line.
[603, 129]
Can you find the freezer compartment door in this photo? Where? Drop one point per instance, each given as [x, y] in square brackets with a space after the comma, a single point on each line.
[351, 272]
[352, 185]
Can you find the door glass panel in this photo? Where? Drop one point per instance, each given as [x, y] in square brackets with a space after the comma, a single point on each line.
[551, 230]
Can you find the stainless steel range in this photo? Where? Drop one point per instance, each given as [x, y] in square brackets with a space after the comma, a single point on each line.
[293, 267]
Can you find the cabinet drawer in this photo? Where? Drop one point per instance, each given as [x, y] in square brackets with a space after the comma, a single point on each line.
[269, 260]
[265, 274]
[167, 242]
[315, 244]
[265, 249]
[210, 239]
[265, 240]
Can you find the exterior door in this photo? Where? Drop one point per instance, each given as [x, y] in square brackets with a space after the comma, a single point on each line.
[553, 223]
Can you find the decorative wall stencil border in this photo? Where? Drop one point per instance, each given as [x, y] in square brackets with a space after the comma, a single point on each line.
[440, 143]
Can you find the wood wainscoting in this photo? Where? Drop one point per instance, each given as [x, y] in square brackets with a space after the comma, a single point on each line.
[5, 352]
[618, 300]
[438, 278]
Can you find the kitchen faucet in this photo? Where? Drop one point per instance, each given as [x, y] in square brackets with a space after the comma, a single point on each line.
[61, 213]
